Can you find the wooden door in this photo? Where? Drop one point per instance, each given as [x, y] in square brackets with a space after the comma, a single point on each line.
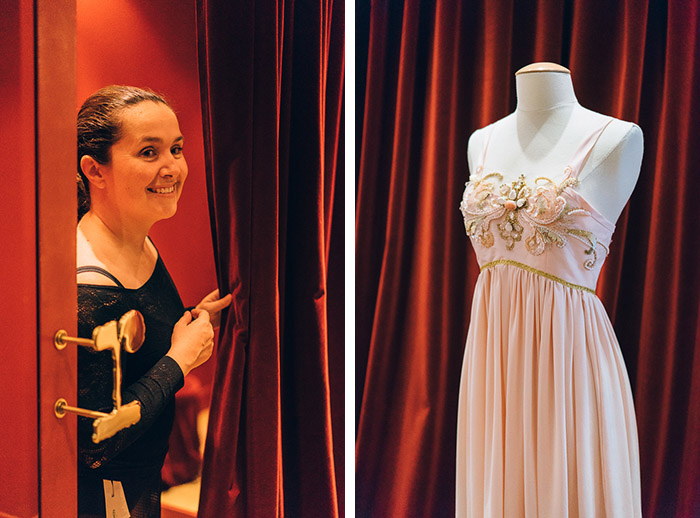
[37, 271]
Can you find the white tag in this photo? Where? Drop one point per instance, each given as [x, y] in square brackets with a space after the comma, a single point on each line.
[115, 501]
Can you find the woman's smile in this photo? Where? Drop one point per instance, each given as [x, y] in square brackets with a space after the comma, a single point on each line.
[163, 190]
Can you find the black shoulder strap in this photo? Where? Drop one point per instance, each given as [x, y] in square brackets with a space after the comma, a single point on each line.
[102, 271]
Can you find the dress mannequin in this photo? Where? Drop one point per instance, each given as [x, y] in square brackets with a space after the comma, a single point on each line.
[542, 135]
[546, 423]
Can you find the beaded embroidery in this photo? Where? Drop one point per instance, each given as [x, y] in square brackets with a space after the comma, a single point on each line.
[541, 207]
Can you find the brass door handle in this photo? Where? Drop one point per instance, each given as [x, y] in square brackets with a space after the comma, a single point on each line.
[128, 333]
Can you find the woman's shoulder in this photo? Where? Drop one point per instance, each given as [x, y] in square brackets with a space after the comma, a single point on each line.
[89, 269]
[97, 263]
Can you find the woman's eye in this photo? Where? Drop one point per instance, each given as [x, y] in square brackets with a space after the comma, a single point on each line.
[148, 152]
[176, 151]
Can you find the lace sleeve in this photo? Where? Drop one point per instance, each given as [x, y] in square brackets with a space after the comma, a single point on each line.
[155, 389]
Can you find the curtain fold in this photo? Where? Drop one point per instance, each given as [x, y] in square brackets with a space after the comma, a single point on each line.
[271, 77]
[429, 74]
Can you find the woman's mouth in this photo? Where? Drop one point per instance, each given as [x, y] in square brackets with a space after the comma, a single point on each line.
[162, 190]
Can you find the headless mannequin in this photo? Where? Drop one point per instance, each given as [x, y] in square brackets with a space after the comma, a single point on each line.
[542, 135]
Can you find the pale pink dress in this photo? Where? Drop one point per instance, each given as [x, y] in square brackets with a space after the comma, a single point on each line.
[546, 424]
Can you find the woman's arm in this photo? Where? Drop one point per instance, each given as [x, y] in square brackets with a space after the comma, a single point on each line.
[190, 345]
[154, 391]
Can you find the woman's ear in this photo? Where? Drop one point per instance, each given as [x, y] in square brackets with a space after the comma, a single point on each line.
[93, 171]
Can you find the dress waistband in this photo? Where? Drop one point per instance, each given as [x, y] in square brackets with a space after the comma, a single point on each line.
[537, 272]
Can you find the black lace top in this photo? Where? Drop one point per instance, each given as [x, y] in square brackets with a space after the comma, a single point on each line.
[134, 455]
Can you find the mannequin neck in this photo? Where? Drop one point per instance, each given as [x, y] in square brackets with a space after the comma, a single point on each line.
[537, 91]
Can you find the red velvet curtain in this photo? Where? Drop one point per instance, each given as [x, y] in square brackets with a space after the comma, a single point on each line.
[271, 76]
[429, 73]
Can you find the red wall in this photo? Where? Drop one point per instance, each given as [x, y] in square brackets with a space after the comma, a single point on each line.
[18, 368]
[154, 44]
[142, 43]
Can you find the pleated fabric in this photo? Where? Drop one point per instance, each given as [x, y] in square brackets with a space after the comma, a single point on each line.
[547, 424]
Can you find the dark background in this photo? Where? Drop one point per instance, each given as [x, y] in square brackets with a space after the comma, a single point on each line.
[428, 75]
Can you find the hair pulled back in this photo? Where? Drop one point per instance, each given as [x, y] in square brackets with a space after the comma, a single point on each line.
[99, 128]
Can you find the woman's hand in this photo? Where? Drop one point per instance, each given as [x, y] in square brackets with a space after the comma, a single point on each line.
[193, 340]
[213, 305]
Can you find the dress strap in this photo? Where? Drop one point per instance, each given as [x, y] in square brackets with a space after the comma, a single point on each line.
[102, 271]
[583, 152]
[482, 157]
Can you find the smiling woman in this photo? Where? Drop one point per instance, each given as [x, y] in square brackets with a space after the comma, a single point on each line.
[143, 180]
[131, 173]
[151, 158]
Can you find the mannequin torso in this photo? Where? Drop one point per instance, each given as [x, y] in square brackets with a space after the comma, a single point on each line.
[547, 128]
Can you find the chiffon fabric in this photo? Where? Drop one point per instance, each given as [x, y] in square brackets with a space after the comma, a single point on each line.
[546, 423]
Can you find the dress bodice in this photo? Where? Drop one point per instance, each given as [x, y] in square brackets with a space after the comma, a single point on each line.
[544, 225]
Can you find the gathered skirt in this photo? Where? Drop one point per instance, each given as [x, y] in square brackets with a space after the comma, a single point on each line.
[546, 423]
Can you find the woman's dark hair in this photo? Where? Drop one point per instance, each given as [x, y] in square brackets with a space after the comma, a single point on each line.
[99, 127]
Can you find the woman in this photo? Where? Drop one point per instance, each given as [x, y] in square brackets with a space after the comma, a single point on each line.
[131, 173]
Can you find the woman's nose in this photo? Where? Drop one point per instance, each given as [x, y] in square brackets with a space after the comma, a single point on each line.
[169, 167]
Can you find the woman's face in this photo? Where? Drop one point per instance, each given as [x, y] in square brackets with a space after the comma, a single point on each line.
[147, 169]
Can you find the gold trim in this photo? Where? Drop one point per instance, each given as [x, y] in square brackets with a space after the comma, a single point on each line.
[538, 272]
